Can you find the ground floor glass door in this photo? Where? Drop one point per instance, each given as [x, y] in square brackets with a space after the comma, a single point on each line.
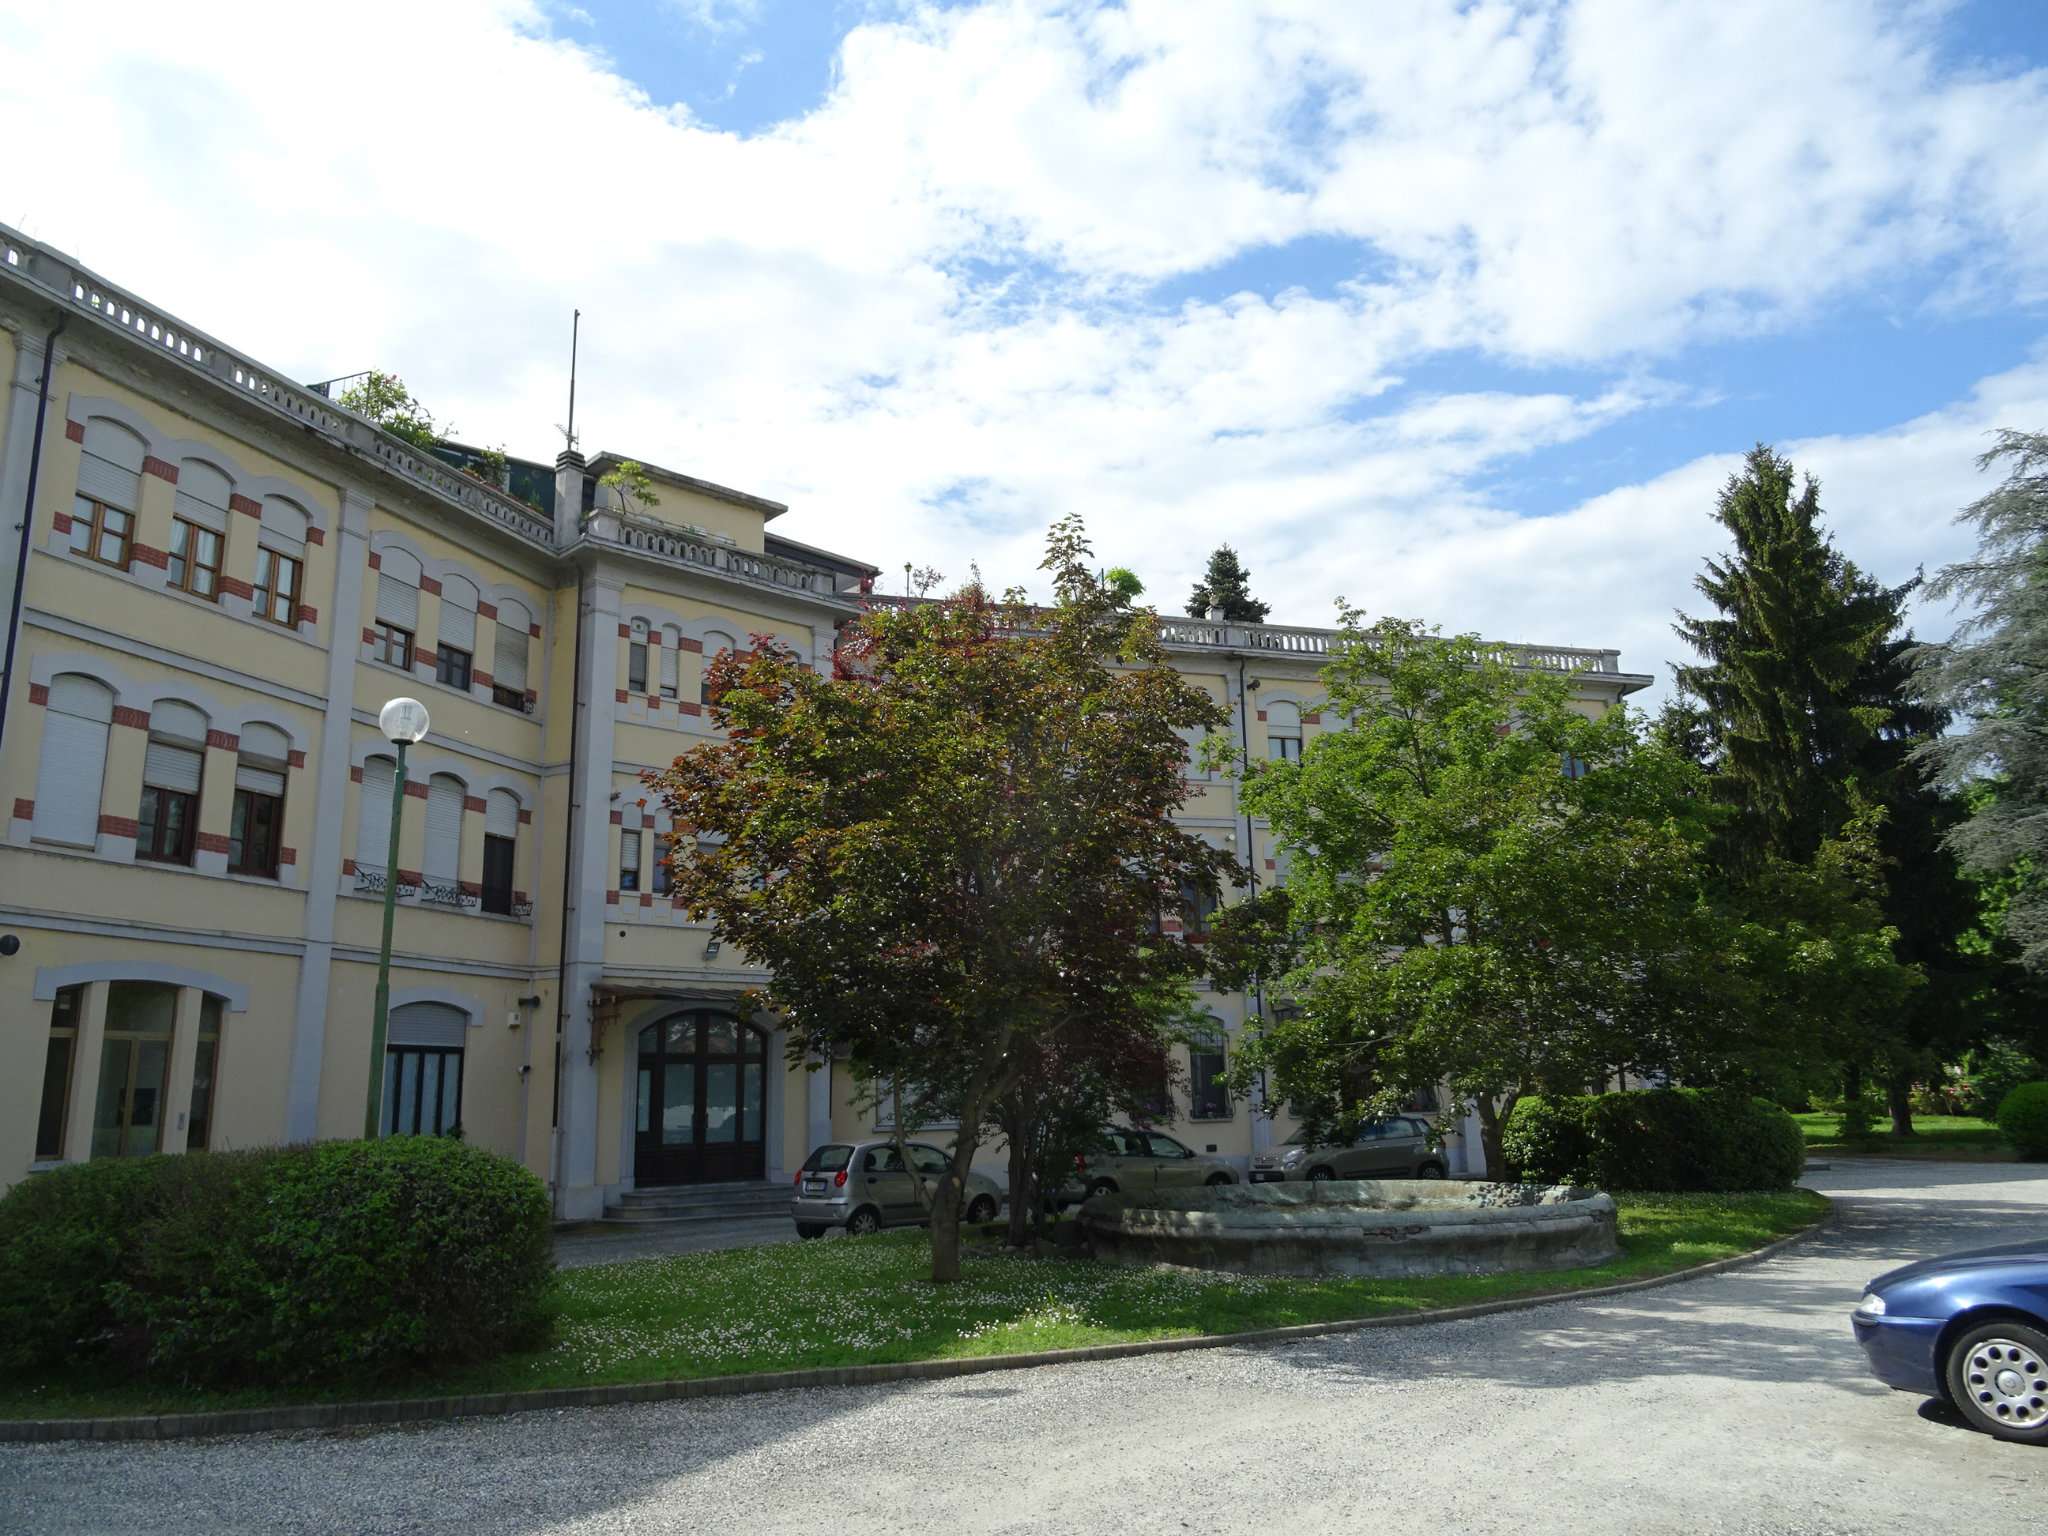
[700, 1101]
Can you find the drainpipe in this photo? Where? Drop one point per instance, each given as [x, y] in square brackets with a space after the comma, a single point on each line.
[576, 702]
[1262, 1127]
[28, 517]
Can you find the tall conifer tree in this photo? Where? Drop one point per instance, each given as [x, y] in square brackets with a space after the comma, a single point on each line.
[1227, 585]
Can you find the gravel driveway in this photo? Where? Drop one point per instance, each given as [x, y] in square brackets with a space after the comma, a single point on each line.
[1736, 1403]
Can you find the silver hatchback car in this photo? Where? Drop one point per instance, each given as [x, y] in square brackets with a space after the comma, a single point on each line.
[1395, 1148]
[864, 1186]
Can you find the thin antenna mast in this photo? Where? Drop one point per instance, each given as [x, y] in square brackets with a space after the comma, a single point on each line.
[575, 335]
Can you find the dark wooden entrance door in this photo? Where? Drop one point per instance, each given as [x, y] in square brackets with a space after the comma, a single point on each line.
[701, 1101]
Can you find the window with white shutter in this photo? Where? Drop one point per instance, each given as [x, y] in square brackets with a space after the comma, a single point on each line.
[445, 795]
[167, 822]
[74, 760]
[508, 669]
[256, 824]
[203, 495]
[629, 861]
[109, 491]
[671, 658]
[636, 658]
[1283, 731]
[715, 645]
[373, 818]
[398, 607]
[458, 613]
[501, 831]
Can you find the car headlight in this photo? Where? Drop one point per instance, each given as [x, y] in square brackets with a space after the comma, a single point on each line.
[1289, 1159]
[1872, 1305]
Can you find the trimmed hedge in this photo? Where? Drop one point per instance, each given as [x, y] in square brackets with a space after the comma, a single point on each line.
[1657, 1138]
[343, 1260]
[2023, 1119]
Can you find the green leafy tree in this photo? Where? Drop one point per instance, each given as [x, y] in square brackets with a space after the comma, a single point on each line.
[1226, 585]
[1489, 889]
[1992, 673]
[953, 847]
[384, 399]
[1124, 582]
[629, 481]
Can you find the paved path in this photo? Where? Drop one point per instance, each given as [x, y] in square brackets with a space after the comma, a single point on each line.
[1731, 1404]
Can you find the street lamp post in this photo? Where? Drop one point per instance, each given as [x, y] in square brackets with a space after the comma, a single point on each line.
[403, 722]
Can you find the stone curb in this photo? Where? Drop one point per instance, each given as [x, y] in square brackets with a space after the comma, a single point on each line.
[178, 1426]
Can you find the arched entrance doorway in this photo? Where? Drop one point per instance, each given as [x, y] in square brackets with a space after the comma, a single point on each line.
[700, 1102]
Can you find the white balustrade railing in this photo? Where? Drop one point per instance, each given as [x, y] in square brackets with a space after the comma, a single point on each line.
[671, 543]
[1293, 640]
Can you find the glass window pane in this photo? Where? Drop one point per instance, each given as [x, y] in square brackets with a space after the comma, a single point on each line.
[56, 1085]
[451, 1091]
[682, 1037]
[141, 1007]
[430, 1093]
[645, 1099]
[146, 1099]
[679, 1104]
[751, 1105]
[390, 1116]
[721, 1102]
[721, 1038]
[408, 1093]
[81, 526]
[198, 1118]
[110, 1108]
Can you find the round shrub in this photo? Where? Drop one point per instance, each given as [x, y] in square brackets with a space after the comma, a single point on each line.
[345, 1260]
[1661, 1139]
[2023, 1119]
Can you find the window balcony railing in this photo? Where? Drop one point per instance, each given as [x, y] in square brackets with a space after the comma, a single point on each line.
[370, 881]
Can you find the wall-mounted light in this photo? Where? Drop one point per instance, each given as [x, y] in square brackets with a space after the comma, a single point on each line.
[711, 949]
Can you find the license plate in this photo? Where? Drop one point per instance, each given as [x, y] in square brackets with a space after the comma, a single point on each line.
[814, 1186]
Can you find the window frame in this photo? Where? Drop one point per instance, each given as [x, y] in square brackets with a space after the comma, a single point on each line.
[183, 566]
[150, 850]
[636, 666]
[67, 1032]
[95, 523]
[386, 634]
[510, 856]
[1221, 1106]
[443, 651]
[629, 879]
[239, 843]
[394, 1068]
[266, 589]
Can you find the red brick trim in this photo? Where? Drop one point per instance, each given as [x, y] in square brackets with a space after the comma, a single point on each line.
[620, 695]
[376, 561]
[291, 856]
[355, 774]
[611, 898]
[525, 817]
[234, 586]
[647, 898]
[486, 610]
[369, 637]
[618, 818]
[532, 697]
[654, 637]
[212, 842]
[654, 701]
[74, 431]
[411, 877]
[60, 521]
[471, 887]
[163, 469]
[1312, 719]
[145, 554]
[241, 503]
[477, 676]
[38, 693]
[316, 535]
[696, 647]
[519, 897]
[1272, 864]
[625, 631]
[415, 789]
[348, 866]
[296, 759]
[227, 741]
[474, 803]
[533, 630]
[678, 902]
[1170, 925]
[688, 708]
[428, 584]
[1262, 714]
[308, 614]
[134, 719]
[119, 826]
[24, 810]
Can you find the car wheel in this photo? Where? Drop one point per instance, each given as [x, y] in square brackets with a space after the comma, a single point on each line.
[1430, 1171]
[863, 1222]
[1997, 1374]
[1216, 1179]
[983, 1209]
[810, 1229]
[1101, 1187]
[1321, 1175]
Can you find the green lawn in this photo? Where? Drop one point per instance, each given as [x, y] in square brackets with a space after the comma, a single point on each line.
[1950, 1136]
[844, 1302]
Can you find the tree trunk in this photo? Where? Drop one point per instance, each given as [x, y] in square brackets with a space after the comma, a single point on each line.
[1852, 1081]
[1898, 1092]
[1490, 1123]
[1020, 1190]
[946, 1229]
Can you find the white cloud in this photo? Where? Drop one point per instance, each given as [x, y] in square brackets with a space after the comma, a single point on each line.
[433, 188]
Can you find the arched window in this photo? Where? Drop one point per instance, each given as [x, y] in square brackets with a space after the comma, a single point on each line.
[508, 665]
[671, 659]
[398, 608]
[1283, 731]
[199, 529]
[281, 561]
[501, 842]
[636, 657]
[109, 491]
[131, 1076]
[74, 760]
[373, 813]
[423, 1070]
[716, 643]
[443, 866]
[456, 653]
[256, 825]
[172, 763]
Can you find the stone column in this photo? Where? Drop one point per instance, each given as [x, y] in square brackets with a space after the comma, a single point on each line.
[326, 779]
[85, 1073]
[578, 1195]
[121, 785]
[818, 1103]
[213, 846]
[184, 1056]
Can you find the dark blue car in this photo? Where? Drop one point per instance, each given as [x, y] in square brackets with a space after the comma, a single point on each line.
[1971, 1327]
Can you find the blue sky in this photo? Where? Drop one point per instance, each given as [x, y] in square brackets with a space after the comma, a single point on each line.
[1456, 310]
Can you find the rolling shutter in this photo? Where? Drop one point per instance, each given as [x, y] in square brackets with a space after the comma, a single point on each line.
[444, 827]
[501, 814]
[458, 614]
[168, 766]
[111, 467]
[670, 658]
[397, 603]
[373, 823]
[74, 761]
[427, 1024]
[284, 523]
[259, 781]
[203, 495]
[260, 768]
[509, 666]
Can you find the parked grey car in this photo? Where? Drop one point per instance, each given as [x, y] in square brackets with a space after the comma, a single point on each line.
[1394, 1148]
[864, 1186]
[1133, 1161]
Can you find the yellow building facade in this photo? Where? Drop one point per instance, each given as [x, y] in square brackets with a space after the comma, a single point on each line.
[222, 576]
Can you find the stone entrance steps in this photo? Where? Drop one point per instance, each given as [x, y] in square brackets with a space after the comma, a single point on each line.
[679, 1204]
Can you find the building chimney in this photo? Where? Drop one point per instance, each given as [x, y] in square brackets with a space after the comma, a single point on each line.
[1215, 613]
[569, 479]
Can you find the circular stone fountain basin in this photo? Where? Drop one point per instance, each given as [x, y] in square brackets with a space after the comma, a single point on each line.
[1387, 1227]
